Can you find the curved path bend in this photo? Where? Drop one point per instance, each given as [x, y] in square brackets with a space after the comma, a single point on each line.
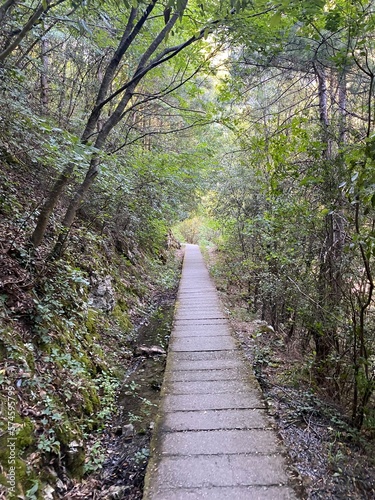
[213, 439]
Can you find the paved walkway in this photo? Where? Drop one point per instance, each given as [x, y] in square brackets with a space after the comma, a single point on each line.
[213, 439]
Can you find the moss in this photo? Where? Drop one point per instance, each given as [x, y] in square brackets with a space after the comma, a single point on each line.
[95, 397]
[91, 400]
[91, 321]
[122, 318]
[88, 404]
[24, 479]
[3, 351]
[66, 432]
[25, 436]
[85, 361]
[14, 465]
[30, 361]
[75, 461]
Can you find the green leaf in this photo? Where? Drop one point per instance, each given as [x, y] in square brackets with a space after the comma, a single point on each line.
[30, 493]
[275, 20]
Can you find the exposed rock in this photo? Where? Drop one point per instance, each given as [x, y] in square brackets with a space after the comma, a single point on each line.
[102, 295]
[149, 351]
[172, 242]
[48, 492]
[128, 430]
[75, 457]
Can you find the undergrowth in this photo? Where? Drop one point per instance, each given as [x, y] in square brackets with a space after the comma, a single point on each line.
[66, 331]
[329, 458]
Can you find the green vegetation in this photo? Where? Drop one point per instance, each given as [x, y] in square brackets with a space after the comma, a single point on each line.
[295, 196]
[247, 127]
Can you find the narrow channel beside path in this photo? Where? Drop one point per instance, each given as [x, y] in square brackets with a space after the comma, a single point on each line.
[213, 439]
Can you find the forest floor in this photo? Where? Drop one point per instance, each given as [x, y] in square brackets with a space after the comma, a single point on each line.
[331, 459]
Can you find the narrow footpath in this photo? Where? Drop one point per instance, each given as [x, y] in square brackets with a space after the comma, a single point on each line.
[213, 439]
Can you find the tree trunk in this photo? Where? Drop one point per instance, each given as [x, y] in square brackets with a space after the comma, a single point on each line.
[323, 110]
[90, 175]
[44, 75]
[49, 205]
[63, 178]
[324, 328]
[74, 205]
[144, 66]
[62, 96]
[342, 108]
[108, 126]
[33, 19]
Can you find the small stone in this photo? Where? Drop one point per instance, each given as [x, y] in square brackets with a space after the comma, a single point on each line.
[48, 492]
[60, 485]
[75, 444]
[116, 492]
[128, 430]
[148, 351]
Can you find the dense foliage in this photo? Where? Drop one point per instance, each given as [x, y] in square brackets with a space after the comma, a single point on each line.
[117, 120]
[83, 262]
[295, 198]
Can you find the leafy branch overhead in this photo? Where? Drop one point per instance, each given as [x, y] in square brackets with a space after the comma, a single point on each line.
[148, 59]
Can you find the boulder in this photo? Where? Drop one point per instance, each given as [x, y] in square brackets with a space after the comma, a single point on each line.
[102, 295]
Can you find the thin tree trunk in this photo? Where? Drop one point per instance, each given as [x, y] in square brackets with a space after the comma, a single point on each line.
[33, 19]
[44, 75]
[8, 4]
[89, 178]
[342, 109]
[62, 95]
[323, 109]
[324, 330]
[74, 205]
[49, 205]
[63, 178]
[144, 66]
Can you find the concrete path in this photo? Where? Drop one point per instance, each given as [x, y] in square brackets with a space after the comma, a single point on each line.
[213, 439]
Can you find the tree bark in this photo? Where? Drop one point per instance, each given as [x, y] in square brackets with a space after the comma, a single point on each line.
[323, 109]
[49, 205]
[44, 75]
[74, 205]
[324, 330]
[342, 108]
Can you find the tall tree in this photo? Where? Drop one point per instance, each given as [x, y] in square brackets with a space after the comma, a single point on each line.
[116, 102]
